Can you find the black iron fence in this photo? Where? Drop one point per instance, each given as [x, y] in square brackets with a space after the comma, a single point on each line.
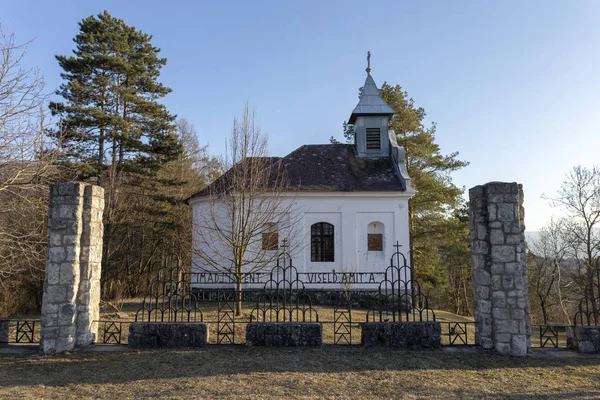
[340, 328]
[335, 332]
[112, 332]
[588, 311]
[458, 333]
[19, 331]
[282, 294]
[552, 335]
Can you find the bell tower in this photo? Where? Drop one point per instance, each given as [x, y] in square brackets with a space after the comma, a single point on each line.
[370, 118]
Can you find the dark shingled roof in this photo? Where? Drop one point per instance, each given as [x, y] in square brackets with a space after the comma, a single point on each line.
[334, 168]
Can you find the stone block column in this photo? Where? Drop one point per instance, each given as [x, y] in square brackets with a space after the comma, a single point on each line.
[90, 260]
[72, 284]
[499, 262]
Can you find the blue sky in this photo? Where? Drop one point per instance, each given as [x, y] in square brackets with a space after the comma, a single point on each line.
[513, 86]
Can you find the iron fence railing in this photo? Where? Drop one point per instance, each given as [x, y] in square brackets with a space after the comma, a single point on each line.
[112, 331]
[342, 330]
[461, 333]
[551, 335]
[282, 295]
[19, 331]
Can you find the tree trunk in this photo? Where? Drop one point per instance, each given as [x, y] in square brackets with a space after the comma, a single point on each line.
[100, 156]
[238, 296]
[544, 312]
[101, 140]
[560, 297]
[122, 138]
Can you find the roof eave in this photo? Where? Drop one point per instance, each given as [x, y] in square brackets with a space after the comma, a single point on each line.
[353, 116]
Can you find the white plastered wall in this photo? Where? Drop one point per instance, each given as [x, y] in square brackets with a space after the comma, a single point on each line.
[350, 214]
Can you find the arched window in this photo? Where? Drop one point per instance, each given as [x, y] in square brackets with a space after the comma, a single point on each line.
[321, 242]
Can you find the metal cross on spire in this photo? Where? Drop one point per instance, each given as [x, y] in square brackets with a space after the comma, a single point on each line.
[369, 63]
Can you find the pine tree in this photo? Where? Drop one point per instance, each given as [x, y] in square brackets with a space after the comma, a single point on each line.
[437, 197]
[110, 114]
[436, 214]
[455, 253]
[115, 128]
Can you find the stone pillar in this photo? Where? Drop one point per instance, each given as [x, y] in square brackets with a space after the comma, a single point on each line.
[587, 339]
[499, 258]
[72, 283]
[90, 260]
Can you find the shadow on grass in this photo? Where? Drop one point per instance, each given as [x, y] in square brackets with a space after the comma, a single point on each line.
[97, 367]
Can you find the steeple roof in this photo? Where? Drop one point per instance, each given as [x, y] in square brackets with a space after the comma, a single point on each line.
[370, 102]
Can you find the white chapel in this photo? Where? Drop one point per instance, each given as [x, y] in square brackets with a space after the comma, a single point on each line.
[353, 197]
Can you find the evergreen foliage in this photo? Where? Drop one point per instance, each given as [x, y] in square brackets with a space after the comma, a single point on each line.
[455, 257]
[115, 128]
[431, 209]
[110, 109]
[439, 222]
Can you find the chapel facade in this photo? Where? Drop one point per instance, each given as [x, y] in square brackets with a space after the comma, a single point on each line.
[353, 197]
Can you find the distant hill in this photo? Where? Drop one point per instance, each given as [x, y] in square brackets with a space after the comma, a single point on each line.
[531, 236]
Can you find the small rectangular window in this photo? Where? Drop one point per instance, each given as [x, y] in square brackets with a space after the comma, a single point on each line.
[373, 139]
[375, 242]
[270, 237]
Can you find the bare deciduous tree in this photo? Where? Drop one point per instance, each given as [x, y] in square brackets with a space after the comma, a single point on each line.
[547, 276]
[208, 167]
[26, 169]
[22, 120]
[150, 219]
[579, 198]
[248, 211]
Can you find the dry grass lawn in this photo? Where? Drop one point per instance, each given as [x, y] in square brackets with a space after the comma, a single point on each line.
[328, 372]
